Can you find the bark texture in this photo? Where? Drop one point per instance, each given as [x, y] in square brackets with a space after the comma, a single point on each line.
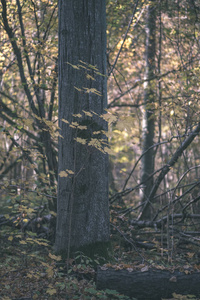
[150, 285]
[82, 210]
[147, 167]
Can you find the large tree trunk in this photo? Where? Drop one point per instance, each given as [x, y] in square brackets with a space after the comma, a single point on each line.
[153, 284]
[82, 210]
[147, 167]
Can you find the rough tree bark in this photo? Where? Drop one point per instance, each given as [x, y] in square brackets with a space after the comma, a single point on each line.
[82, 210]
[147, 161]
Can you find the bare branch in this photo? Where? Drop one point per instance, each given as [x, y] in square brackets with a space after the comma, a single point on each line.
[125, 36]
[17, 52]
[170, 164]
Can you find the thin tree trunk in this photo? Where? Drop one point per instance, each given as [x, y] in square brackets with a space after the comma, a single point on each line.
[148, 122]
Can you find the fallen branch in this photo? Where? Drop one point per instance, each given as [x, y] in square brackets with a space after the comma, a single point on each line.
[162, 221]
[149, 285]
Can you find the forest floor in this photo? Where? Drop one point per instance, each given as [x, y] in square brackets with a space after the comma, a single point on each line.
[30, 270]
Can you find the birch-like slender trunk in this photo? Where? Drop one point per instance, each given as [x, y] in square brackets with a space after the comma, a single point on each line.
[148, 121]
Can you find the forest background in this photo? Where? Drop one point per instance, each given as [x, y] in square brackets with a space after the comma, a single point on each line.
[154, 203]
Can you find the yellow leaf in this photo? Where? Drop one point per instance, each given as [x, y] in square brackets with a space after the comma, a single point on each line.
[77, 115]
[109, 151]
[73, 66]
[65, 121]
[53, 213]
[30, 210]
[37, 117]
[50, 272]
[10, 238]
[110, 118]
[51, 291]
[74, 124]
[81, 141]
[44, 264]
[89, 65]
[98, 73]
[28, 122]
[87, 113]
[58, 134]
[78, 89]
[43, 244]
[63, 174]
[89, 77]
[190, 254]
[81, 127]
[94, 142]
[93, 90]
[69, 171]
[22, 242]
[55, 257]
